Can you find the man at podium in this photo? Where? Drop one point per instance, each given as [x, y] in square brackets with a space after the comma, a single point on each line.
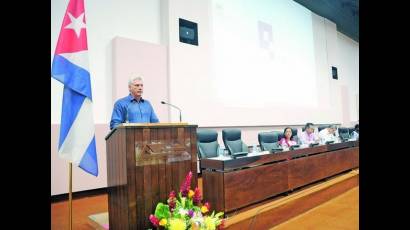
[133, 108]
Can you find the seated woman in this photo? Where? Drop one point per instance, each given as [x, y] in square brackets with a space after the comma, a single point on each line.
[287, 139]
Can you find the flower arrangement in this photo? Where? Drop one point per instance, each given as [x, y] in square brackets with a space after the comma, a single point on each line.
[186, 211]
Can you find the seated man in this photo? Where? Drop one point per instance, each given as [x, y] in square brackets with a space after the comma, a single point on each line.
[328, 134]
[308, 136]
[355, 133]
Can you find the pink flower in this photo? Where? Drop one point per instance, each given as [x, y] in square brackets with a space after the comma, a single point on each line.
[172, 194]
[185, 187]
[172, 201]
[154, 220]
[191, 213]
[197, 196]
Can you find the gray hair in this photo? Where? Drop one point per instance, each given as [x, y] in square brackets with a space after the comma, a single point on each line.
[132, 79]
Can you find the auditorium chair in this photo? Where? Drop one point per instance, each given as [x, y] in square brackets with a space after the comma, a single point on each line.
[233, 142]
[351, 130]
[268, 140]
[343, 133]
[322, 127]
[207, 143]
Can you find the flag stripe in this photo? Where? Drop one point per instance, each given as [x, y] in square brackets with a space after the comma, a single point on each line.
[80, 134]
[72, 76]
[72, 102]
[89, 160]
[78, 58]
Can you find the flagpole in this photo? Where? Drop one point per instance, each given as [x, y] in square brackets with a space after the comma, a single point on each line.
[70, 198]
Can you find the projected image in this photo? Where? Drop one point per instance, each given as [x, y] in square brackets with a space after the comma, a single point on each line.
[260, 51]
[260, 63]
[265, 37]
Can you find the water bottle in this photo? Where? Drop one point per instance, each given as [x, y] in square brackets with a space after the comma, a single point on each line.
[221, 151]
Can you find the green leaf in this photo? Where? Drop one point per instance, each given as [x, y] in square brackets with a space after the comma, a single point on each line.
[190, 204]
[178, 203]
[196, 209]
[183, 200]
[219, 214]
[162, 211]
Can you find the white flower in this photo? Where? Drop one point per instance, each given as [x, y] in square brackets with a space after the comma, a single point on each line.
[198, 218]
[198, 214]
[183, 211]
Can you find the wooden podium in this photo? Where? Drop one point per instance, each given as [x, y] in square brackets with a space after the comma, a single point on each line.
[144, 163]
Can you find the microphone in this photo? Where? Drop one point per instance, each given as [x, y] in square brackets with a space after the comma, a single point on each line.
[180, 116]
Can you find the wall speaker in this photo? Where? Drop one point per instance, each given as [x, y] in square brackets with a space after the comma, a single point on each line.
[334, 73]
[188, 32]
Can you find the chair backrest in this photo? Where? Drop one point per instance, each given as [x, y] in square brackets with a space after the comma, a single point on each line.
[343, 133]
[268, 140]
[294, 132]
[233, 142]
[207, 142]
[322, 127]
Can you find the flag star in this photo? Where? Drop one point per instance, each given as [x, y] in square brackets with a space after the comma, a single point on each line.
[76, 24]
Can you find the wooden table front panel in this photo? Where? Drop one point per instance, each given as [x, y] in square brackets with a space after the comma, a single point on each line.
[247, 186]
[231, 190]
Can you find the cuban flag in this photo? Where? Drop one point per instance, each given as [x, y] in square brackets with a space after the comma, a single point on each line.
[70, 67]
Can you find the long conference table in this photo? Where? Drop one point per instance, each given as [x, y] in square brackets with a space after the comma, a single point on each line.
[230, 184]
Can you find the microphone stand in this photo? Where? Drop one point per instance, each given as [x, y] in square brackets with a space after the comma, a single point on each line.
[180, 114]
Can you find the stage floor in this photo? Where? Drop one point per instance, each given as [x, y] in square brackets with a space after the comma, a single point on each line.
[303, 196]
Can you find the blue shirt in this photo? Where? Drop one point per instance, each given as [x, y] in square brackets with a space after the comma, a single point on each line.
[137, 112]
[355, 135]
